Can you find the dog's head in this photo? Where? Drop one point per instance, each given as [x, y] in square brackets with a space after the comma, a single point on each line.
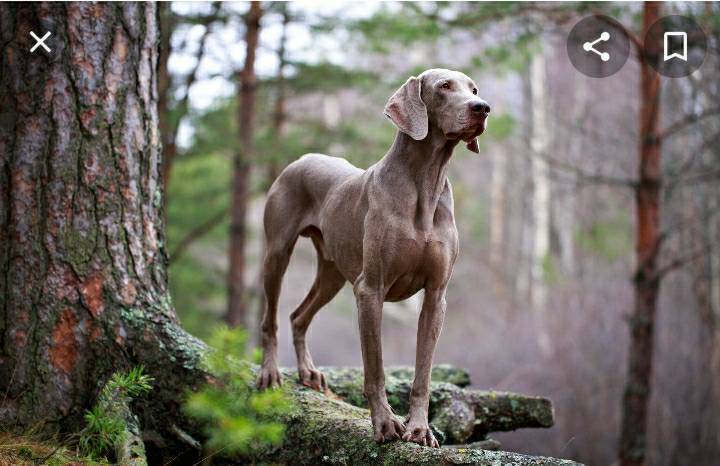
[444, 99]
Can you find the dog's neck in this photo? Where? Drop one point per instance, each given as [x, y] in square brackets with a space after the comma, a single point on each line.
[423, 164]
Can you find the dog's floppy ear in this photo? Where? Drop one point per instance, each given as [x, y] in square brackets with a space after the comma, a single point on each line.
[407, 110]
[473, 146]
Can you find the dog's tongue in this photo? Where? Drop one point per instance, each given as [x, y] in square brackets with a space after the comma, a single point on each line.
[472, 145]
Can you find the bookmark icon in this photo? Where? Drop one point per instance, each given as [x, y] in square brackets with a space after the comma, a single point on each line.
[667, 46]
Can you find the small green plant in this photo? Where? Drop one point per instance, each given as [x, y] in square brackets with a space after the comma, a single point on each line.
[26, 453]
[237, 418]
[105, 424]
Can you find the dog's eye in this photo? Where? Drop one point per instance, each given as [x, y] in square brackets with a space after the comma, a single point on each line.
[475, 90]
[446, 86]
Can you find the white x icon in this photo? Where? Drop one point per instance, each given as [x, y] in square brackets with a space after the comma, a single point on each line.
[40, 41]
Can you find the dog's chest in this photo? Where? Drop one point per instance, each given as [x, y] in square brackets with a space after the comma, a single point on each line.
[421, 259]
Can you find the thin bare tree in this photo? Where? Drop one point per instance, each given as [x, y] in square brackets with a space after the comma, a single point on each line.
[247, 83]
[646, 280]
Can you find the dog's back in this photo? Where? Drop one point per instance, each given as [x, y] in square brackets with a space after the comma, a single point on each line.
[300, 190]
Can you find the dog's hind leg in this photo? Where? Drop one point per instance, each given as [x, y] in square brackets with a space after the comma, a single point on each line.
[275, 264]
[328, 282]
[281, 238]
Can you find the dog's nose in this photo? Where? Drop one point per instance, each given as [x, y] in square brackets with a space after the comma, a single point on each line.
[480, 107]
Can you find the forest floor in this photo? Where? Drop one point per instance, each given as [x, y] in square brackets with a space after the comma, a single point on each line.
[18, 450]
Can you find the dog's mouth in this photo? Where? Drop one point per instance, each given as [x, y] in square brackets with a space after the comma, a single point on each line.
[469, 133]
[471, 127]
[473, 134]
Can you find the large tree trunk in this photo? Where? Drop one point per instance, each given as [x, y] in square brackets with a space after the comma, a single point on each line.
[83, 287]
[241, 171]
[646, 280]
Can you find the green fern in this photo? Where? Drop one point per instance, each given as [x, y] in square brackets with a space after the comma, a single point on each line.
[104, 427]
[133, 383]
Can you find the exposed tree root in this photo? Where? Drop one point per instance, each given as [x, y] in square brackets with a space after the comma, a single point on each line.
[461, 414]
[323, 430]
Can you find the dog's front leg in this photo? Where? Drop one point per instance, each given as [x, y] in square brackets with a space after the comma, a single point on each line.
[369, 302]
[430, 323]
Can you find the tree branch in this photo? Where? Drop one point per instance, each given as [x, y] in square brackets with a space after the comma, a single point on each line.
[703, 177]
[677, 176]
[594, 178]
[687, 121]
[685, 222]
[195, 234]
[633, 38]
[182, 106]
[681, 261]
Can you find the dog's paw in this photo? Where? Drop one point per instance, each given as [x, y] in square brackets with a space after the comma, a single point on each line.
[313, 378]
[420, 434]
[387, 428]
[269, 377]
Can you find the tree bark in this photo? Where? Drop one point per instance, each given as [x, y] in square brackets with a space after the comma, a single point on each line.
[241, 171]
[169, 148]
[646, 281]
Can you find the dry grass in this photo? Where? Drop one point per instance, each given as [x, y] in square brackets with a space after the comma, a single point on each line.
[30, 450]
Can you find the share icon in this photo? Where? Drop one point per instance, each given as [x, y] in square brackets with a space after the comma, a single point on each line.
[589, 46]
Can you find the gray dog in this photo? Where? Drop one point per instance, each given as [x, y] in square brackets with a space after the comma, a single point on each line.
[389, 230]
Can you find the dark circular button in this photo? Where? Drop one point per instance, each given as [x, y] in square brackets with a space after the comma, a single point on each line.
[598, 46]
[675, 46]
